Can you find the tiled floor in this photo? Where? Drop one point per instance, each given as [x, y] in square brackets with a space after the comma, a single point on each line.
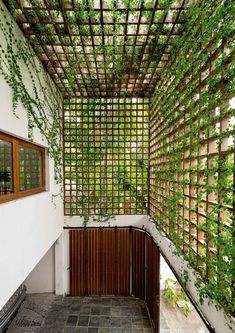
[44, 313]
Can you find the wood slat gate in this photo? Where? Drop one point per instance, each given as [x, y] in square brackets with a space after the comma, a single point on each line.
[115, 261]
[138, 264]
[100, 262]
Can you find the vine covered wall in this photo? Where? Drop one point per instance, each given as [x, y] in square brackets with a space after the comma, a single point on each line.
[106, 156]
[192, 152]
[31, 88]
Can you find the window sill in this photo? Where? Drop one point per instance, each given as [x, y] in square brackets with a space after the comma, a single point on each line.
[14, 196]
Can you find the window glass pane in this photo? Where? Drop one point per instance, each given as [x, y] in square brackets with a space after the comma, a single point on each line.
[6, 174]
[30, 168]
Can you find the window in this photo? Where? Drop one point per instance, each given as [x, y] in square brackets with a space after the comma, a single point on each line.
[22, 168]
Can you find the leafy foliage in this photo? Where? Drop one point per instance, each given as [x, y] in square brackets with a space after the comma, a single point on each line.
[32, 88]
[175, 295]
[192, 162]
[192, 126]
[106, 151]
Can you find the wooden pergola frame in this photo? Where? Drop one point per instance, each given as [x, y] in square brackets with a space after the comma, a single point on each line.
[74, 50]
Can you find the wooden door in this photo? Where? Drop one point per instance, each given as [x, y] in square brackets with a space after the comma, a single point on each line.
[116, 261]
[100, 262]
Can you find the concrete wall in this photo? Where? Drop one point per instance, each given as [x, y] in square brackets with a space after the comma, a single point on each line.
[42, 278]
[28, 226]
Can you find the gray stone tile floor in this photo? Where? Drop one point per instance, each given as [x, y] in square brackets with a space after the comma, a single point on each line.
[46, 313]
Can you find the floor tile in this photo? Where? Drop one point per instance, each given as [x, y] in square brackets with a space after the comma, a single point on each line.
[59, 314]
[83, 320]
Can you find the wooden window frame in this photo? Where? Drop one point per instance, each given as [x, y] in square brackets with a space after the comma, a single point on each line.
[16, 142]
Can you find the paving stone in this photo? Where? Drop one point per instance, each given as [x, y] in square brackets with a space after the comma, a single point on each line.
[81, 330]
[23, 322]
[126, 323]
[68, 301]
[85, 310]
[93, 330]
[146, 323]
[137, 321]
[104, 330]
[116, 311]
[105, 301]
[83, 320]
[55, 321]
[80, 315]
[95, 310]
[94, 321]
[105, 311]
[72, 321]
[36, 323]
[51, 330]
[135, 311]
[116, 322]
[76, 306]
[70, 329]
[22, 330]
[105, 321]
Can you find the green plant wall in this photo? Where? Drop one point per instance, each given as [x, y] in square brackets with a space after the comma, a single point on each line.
[106, 156]
[192, 126]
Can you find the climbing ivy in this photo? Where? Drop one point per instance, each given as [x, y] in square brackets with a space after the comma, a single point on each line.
[106, 152]
[32, 88]
[192, 126]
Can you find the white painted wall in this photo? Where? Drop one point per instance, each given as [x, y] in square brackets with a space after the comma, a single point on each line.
[165, 273]
[119, 220]
[42, 277]
[28, 226]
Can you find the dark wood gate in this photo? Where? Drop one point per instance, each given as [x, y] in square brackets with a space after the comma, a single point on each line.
[115, 261]
[100, 262]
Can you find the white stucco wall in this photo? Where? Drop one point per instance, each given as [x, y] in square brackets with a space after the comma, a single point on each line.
[28, 226]
[42, 278]
[165, 273]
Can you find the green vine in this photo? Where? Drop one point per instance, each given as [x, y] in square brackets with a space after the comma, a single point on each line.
[32, 88]
[105, 165]
[190, 108]
[192, 166]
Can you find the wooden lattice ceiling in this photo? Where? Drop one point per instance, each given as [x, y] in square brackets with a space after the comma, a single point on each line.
[101, 48]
